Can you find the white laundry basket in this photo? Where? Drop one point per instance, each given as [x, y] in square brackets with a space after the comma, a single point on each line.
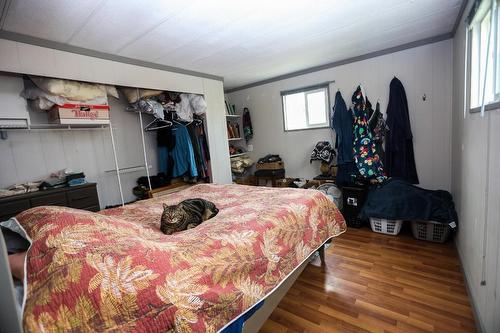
[385, 226]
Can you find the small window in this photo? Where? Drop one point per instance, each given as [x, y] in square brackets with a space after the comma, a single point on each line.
[306, 108]
[479, 59]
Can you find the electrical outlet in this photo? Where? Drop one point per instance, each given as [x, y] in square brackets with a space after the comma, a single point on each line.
[250, 148]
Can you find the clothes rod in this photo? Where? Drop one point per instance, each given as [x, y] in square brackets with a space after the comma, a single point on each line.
[69, 128]
[130, 169]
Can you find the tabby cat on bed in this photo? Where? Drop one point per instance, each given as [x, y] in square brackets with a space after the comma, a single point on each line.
[185, 215]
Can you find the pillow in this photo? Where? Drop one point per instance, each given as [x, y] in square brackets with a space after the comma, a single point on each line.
[73, 90]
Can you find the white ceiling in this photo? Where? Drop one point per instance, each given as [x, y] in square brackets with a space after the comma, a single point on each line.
[242, 40]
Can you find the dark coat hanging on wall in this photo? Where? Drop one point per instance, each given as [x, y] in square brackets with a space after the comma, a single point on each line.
[399, 157]
[342, 123]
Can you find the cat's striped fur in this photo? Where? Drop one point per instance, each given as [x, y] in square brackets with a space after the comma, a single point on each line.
[186, 214]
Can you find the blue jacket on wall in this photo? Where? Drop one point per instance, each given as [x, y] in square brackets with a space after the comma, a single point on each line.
[342, 123]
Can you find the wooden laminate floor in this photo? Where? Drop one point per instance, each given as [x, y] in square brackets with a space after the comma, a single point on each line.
[378, 283]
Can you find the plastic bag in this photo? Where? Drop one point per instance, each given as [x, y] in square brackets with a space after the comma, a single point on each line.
[198, 104]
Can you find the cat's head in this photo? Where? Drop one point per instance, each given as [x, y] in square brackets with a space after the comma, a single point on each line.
[171, 217]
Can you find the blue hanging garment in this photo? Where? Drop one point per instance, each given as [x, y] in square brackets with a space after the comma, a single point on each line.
[182, 154]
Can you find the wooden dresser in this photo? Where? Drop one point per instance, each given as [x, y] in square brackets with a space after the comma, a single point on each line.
[81, 196]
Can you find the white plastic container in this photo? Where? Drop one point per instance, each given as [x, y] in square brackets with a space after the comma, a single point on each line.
[385, 226]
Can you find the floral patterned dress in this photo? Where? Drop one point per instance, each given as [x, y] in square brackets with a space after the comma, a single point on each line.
[366, 156]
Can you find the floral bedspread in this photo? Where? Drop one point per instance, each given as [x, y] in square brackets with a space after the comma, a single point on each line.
[116, 271]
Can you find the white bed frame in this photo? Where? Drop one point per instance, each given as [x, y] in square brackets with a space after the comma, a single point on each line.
[11, 316]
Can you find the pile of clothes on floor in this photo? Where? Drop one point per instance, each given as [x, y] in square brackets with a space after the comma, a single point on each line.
[141, 191]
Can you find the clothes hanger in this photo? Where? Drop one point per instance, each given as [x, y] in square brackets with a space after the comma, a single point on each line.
[180, 123]
[152, 126]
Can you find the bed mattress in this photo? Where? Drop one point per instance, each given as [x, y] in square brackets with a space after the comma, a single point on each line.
[115, 270]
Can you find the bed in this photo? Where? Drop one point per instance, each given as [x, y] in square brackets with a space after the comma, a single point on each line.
[115, 270]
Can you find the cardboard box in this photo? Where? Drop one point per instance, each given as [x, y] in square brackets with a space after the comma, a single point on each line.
[80, 114]
[270, 166]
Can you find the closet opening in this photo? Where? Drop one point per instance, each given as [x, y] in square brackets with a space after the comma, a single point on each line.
[131, 143]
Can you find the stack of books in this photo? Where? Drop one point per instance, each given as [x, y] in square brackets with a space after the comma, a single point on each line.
[233, 130]
[230, 109]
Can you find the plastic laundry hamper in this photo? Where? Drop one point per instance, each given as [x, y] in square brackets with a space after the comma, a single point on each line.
[385, 226]
[430, 231]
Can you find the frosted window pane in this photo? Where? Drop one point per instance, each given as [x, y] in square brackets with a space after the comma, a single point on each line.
[316, 105]
[497, 89]
[295, 111]
[474, 88]
[485, 29]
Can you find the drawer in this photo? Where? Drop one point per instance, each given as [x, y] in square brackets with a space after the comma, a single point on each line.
[12, 208]
[54, 199]
[83, 198]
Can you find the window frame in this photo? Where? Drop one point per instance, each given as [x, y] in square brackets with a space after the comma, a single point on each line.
[495, 44]
[307, 90]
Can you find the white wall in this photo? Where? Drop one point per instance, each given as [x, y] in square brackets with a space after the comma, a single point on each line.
[469, 183]
[423, 70]
[32, 155]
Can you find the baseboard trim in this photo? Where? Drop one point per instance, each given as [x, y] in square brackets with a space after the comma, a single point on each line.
[477, 319]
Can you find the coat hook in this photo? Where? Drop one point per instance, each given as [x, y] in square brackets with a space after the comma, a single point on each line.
[424, 97]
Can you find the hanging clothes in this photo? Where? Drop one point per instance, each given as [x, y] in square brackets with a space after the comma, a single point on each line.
[378, 128]
[196, 149]
[247, 125]
[166, 142]
[399, 157]
[365, 152]
[342, 123]
[182, 155]
[369, 108]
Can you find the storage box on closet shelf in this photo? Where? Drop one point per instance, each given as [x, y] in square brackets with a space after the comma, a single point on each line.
[430, 231]
[385, 226]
